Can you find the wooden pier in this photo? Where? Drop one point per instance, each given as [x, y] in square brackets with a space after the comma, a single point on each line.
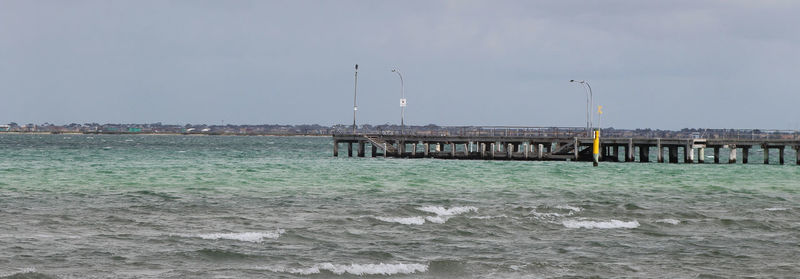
[561, 148]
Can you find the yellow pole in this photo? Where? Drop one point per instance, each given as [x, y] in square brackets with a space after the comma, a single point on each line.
[596, 147]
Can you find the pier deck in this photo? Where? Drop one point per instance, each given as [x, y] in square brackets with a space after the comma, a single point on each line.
[560, 148]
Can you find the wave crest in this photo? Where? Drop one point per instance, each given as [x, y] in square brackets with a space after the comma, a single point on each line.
[442, 211]
[668, 221]
[355, 269]
[418, 220]
[612, 224]
[256, 237]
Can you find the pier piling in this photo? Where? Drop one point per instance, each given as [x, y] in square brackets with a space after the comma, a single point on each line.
[701, 155]
[673, 154]
[660, 156]
[732, 158]
[335, 148]
[745, 154]
[349, 149]
[644, 153]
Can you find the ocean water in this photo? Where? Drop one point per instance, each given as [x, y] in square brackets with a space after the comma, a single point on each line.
[124, 206]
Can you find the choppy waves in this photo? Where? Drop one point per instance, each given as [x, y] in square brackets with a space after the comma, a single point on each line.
[442, 214]
[354, 269]
[610, 224]
[256, 237]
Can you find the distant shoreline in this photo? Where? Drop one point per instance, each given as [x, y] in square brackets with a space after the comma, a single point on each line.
[162, 134]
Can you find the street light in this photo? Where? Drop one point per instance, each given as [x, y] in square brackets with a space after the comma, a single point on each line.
[402, 101]
[355, 107]
[589, 105]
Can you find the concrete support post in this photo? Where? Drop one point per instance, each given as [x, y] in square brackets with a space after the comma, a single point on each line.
[336, 148]
[629, 157]
[766, 153]
[780, 154]
[689, 151]
[644, 153]
[374, 150]
[361, 149]
[716, 154]
[349, 149]
[452, 150]
[745, 154]
[575, 149]
[539, 150]
[686, 154]
[401, 149]
[673, 154]
[660, 156]
[491, 145]
[797, 154]
[527, 147]
[426, 149]
[482, 148]
[414, 150]
[732, 159]
[701, 155]
[466, 150]
[439, 147]
[384, 150]
[510, 151]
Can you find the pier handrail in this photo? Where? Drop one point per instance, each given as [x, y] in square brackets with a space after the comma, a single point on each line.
[570, 132]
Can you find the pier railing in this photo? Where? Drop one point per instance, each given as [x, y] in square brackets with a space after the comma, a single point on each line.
[572, 132]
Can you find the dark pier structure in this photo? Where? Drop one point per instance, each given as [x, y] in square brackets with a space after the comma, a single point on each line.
[562, 144]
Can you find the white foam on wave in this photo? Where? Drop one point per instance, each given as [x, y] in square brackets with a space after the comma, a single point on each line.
[355, 269]
[417, 220]
[611, 224]
[570, 208]
[442, 215]
[20, 272]
[441, 211]
[256, 237]
[668, 221]
[571, 211]
[488, 217]
[776, 209]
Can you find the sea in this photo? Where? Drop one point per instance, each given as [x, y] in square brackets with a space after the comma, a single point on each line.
[182, 206]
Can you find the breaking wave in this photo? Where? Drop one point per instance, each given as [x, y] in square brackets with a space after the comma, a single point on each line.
[612, 224]
[776, 209]
[355, 269]
[442, 215]
[668, 221]
[565, 210]
[256, 237]
[441, 211]
[418, 220]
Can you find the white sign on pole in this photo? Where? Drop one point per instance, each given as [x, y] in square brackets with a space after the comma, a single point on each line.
[402, 102]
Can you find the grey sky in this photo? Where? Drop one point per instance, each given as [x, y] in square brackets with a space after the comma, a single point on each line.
[656, 64]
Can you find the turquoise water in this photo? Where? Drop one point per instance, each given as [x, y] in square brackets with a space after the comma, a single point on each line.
[101, 206]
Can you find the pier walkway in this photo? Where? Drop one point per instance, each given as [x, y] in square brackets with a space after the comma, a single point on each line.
[565, 145]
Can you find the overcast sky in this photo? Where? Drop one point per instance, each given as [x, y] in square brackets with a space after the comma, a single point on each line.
[651, 64]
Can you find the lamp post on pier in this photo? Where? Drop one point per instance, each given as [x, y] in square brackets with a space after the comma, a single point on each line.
[589, 105]
[402, 101]
[355, 107]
